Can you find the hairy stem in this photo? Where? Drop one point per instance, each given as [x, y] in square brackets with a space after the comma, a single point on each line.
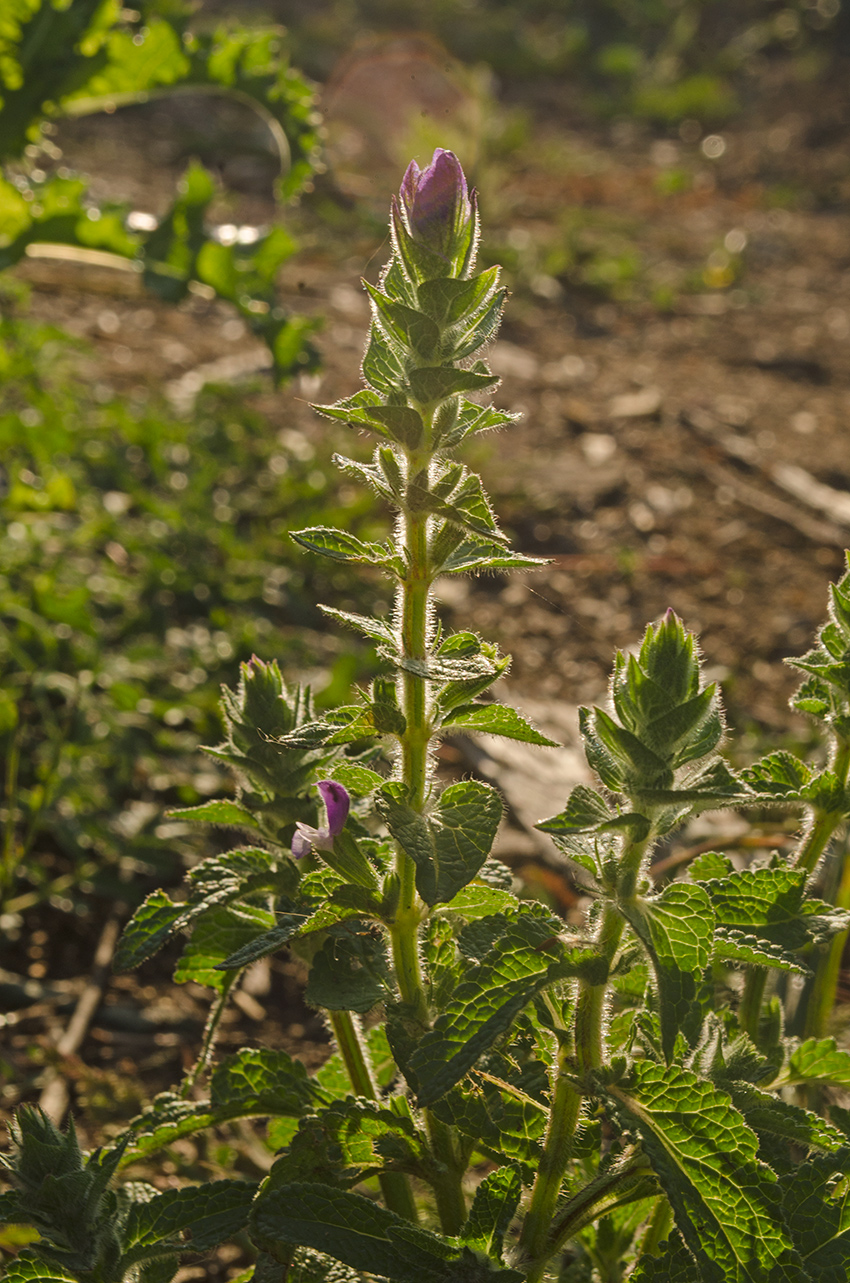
[210, 1033]
[414, 749]
[404, 932]
[822, 996]
[591, 1001]
[823, 826]
[566, 1105]
[395, 1186]
[749, 1012]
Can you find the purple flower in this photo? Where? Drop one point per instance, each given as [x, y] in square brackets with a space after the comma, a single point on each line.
[337, 805]
[436, 201]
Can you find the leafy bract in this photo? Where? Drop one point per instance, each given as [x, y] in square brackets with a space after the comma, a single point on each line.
[705, 1156]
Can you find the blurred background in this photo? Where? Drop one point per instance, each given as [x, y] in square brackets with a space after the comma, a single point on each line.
[190, 198]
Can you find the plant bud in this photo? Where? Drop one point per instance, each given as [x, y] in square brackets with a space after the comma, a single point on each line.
[436, 202]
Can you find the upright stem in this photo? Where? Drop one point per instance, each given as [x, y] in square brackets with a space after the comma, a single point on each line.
[395, 1186]
[749, 1012]
[816, 840]
[414, 610]
[404, 932]
[566, 1105]
[213, 1021]
[822, 996]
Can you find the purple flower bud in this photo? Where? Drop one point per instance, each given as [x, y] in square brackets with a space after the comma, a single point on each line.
[336, 800]
[436, 201]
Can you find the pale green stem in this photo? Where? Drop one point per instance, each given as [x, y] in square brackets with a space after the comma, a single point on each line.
[404, 931]
[566, 1105]
[560, 1133]
[749, 1012]
[395, 1186]
[822, 996]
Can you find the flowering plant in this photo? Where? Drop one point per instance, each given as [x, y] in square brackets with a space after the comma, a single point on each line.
[644, 1097]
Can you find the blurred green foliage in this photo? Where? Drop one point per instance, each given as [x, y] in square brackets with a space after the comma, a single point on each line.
[662, 60]
[92, 56]
[141, 556]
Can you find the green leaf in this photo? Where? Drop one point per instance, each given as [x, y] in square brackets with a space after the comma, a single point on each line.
[502, 1119]
[260, 1082]
[216, 937]
[267, 943]
[222, 811]
[493, 1208]
[674, 1265]
[339, 545]
[153, 923]
[451, 844]
[779, 773]
[677, 928]
[705, 1156]
[770, 1115]
[731, 945]
[377, 629]
[359, 1232]
[447, 299]
[359, 780]
[818, 1060]
[816, 1209]
[496, 719]
[347, 1143]
[480, 554]
[526, 958]
[349, 973]
[477, 901]
[212, 1213]
[29, 1267]
[772, 904]
[585, 812]
[437, 382]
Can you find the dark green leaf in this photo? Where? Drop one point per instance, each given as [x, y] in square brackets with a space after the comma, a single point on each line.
[585, 811]
[435, 383]
[674, 1264]
[818, 1060]
[493, 1208]
[677, 929]
[153, 923]
[817, 1211]
[211, 1213]
[349, 973]
[731, 945]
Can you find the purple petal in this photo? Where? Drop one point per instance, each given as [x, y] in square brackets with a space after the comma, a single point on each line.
[302, 842]
[409, 183]
[336, 799]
